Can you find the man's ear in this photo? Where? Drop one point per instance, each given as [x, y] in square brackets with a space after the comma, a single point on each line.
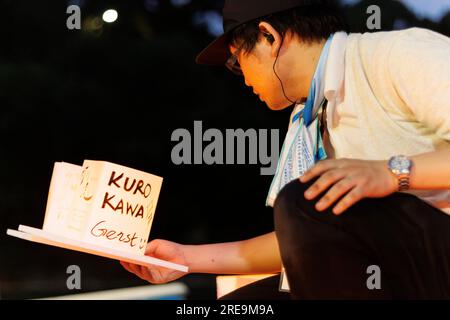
[272, 36]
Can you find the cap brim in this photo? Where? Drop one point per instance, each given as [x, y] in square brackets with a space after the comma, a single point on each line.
[216, 53]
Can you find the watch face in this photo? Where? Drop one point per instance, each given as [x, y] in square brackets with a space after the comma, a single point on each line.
[400, 164]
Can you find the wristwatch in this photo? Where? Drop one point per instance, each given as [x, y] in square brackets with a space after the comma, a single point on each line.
[401, 166]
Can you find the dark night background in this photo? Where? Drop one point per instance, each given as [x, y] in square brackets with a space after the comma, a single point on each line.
[116, 92]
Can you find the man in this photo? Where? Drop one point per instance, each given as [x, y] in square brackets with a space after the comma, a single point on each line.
[363, 182]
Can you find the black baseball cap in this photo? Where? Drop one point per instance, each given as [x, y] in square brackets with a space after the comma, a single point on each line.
[237, 12]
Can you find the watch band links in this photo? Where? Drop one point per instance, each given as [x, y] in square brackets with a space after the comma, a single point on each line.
[403, 182]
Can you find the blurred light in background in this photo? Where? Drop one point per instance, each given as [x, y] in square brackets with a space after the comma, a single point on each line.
[210, 19]
[110, 15]
[151, 5]
[431, 9]
[180, 3]
[93, 25]
[79, 3]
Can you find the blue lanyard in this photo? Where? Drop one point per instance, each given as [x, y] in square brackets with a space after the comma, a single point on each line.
[307, 111]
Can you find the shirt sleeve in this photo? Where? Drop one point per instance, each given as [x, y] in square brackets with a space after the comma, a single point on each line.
[419, 68]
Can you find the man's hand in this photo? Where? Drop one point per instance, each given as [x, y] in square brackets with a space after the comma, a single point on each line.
[161, 249]
[350, 179]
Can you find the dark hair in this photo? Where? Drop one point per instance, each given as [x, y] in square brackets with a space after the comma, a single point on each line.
[312, 23]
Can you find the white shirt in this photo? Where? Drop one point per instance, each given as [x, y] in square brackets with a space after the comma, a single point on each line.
[388, 94]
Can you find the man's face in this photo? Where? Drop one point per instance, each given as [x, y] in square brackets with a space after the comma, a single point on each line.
[257, 67]
[292, 72]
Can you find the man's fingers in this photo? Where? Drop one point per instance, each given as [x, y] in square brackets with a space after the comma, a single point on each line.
[151, 248]
[316, 170]
[335, 192]
[141, 271]
[133, 268]
[136, 269]
[324, 182]
[147, 274]
[126, 265]
[348, 200]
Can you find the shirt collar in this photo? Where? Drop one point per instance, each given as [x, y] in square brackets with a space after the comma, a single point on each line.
[334, 72]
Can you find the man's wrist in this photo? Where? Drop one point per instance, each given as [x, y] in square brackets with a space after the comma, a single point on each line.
[391, 178]
[189, 257]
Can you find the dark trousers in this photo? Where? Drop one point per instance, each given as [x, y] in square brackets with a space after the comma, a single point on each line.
[399, 244]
